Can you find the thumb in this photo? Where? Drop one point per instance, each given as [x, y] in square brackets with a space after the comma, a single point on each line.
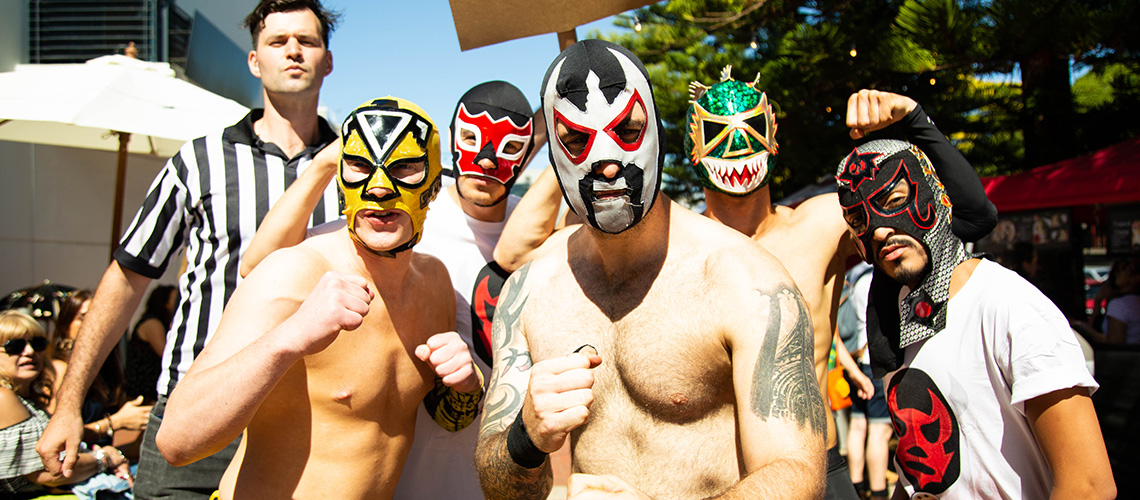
[423, 352]
[138, 401]
[857, 133]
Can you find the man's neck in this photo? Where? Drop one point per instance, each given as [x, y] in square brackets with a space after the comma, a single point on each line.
[747, 214]
[289, 122]
[640, 247]
[493, 213]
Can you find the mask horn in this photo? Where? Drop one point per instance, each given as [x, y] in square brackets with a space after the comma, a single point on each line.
[696, 91]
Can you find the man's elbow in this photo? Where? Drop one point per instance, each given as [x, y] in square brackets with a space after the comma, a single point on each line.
[1093, 487]
[171, 449]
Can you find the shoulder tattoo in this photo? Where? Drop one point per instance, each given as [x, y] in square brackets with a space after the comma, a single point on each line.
[504, 400]
[784, 384]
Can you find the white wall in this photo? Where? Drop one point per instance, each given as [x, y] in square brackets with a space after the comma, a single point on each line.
[56, 205]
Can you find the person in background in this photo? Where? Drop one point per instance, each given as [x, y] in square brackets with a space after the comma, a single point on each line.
[203, 202]
[148, 340]
[23, 399]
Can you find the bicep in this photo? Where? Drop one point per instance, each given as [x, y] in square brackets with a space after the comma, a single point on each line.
[269, 296]
[779, 408]
[1068, 434]
[511, 355]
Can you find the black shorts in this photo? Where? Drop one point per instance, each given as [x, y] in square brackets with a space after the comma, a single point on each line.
[875, 409]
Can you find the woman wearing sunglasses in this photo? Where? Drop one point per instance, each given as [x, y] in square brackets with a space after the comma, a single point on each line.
[22, 415]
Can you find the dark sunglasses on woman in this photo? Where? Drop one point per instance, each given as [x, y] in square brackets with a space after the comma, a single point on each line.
[16, 346]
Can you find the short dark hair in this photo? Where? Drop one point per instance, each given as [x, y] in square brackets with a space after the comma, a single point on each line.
[255, 21]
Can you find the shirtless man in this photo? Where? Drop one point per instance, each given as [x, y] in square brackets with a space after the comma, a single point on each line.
[313, 357]
[671, 351]
[731, 140]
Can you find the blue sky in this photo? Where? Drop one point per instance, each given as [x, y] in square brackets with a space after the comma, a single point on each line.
[410, 50]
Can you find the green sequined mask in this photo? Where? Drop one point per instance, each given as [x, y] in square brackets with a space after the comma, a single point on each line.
[731, 135]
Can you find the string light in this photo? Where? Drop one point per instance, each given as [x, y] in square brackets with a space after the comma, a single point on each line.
[753, 44]
[853, 52]
[636, 24]
[933, 81]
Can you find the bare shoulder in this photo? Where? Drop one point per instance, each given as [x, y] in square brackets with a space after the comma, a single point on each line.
[728, 256]
[12, 411]
[822, 210]
[291, 271]
[431, 272]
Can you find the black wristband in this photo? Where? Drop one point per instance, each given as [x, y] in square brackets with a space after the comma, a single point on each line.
[522, 449]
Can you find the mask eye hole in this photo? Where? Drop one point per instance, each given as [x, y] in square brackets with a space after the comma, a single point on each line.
[574, 139]
[467, 137]
[408, 171]
[355, 170]
[513, 147]
[758, 123]
[856, 218]
[632, 124]
[711, 131]
[893, 197]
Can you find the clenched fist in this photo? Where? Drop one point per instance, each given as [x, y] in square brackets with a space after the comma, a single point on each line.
[338, 302]
[871, 110]
[450, 358]
[558, 398]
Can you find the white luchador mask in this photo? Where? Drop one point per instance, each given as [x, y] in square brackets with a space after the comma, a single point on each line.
[599, 109]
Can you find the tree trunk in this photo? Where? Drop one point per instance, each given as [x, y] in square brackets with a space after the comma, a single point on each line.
[1047, 117]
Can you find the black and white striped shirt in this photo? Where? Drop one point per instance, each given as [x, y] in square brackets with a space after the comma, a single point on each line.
[211, 197]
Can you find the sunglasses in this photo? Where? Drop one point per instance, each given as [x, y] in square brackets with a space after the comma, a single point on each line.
[16, 346]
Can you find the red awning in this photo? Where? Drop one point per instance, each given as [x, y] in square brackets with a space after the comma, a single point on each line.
[1111, 175]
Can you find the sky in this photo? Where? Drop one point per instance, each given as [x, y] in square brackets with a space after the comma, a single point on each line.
[410, 50]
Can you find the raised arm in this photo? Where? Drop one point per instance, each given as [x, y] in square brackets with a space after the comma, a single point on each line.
[530, 409]
[869, 110]
[286, 222]
[264, 331]
[533, 221]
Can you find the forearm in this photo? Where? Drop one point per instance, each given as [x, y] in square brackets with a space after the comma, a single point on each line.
[974, 215]
[85, 467]
[785, 479]
[451, 409]
[531, 223]
[211, 407]
[503, 479]
[286, 222]
[116, 299]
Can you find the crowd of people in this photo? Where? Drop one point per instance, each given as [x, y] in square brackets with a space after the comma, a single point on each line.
[444, 338]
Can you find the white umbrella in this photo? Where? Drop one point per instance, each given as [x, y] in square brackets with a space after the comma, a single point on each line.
[112, 103]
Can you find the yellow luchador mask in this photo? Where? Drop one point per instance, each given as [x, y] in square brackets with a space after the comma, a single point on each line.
[389, 143]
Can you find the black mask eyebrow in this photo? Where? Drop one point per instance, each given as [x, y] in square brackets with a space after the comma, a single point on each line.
[580, 60]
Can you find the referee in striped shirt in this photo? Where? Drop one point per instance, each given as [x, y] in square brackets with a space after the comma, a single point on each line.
[210, 198]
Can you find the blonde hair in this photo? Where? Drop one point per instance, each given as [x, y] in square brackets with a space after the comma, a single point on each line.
[18, 325]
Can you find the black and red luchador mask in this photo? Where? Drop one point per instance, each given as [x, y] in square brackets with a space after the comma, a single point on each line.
[493, 121]
[867, 180]
[928, 451]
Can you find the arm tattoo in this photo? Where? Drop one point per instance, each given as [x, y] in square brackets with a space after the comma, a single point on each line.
[503, 400]
[451, 409]
[784, 384]
[499, 475]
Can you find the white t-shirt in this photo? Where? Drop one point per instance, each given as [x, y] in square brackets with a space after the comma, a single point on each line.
[1125, 309]
[441, 464]
[958, 403]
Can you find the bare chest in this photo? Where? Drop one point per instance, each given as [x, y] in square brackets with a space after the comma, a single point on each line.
[663, 357]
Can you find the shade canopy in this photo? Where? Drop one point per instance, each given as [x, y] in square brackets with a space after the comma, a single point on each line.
[1108, 176]
[480, 23]
[80, 105]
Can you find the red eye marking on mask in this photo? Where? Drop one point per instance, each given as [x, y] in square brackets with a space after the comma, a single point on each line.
[576, 159]
[623, 116]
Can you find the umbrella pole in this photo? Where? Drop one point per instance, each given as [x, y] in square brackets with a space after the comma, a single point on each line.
[120, 187]
[567, 38]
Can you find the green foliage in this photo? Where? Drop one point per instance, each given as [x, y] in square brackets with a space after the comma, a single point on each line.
[992, 63]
